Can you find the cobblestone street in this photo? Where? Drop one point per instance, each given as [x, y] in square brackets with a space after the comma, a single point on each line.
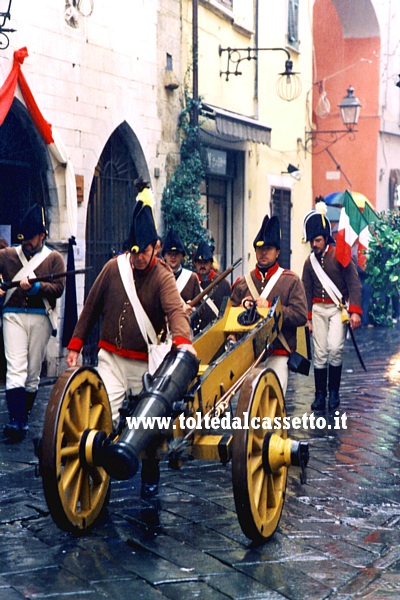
[338, 537]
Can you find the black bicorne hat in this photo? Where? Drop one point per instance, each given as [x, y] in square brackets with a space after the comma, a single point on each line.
[203, 252]
[33, 223]
[269, 234]
[316, 223]
[143, 229]
[173, 243]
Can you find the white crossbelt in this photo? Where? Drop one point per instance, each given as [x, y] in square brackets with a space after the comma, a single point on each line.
[268, 288]
[182, 279]
[327, 283]
[28, 266]
[145, 325]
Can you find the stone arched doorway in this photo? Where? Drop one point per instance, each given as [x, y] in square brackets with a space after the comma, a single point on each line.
[26, 178]
[111, 201]
[26, 173]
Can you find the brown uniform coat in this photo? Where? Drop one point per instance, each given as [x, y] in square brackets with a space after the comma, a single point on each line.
[120, 332]
[205, 314]
[346, 280]
[10, 264]
[191, 289]
[290, 290]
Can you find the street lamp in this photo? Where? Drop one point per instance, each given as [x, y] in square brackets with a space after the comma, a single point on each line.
[5, 7]
[288, 86]
[350, 111]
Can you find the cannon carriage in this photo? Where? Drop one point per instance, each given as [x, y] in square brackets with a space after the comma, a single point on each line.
[80, 452]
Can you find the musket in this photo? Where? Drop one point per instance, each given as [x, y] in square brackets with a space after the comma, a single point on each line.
[214, 283]
[7, 285]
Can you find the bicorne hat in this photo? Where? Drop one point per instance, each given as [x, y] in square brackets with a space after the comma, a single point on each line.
[317, 223]
[269, 234]
[143, 228]
[203, 252]
[33, 223]
[173, 243]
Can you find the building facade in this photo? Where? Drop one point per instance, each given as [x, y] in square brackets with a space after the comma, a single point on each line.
[357, 44]
[104, 78]
[250, 131]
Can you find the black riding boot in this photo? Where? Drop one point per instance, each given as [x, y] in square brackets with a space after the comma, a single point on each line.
[335, 374]
[30, 401]
[150, 477]
[16, 403]
[320, 378]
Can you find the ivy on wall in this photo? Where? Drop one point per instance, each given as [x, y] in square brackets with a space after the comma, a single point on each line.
[383, 266]
[180, 204]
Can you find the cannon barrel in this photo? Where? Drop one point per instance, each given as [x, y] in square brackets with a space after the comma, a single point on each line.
[160, 391]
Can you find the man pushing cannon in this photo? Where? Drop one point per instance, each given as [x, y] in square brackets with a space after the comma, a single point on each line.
[134, 294]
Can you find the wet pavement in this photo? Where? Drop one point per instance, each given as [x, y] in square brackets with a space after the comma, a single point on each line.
[338, 538]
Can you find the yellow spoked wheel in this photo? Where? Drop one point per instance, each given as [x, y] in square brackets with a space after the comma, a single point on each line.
[259, 493]
[77, 416]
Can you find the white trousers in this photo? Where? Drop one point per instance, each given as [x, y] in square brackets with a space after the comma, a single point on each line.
[26, 336]
[120, 376]
[329, 335]
[278, 363]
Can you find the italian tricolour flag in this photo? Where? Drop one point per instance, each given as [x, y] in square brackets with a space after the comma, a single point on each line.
[363, 241]
[352, 226]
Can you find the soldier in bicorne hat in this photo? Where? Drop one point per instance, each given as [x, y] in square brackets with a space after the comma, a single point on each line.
[264, 283]
[173, 252]
[123, 350]
[208, 311]
[26, 316]
[332, 290]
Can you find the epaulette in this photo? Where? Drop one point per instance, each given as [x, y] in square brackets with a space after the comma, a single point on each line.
[164, 264]
[235, 282]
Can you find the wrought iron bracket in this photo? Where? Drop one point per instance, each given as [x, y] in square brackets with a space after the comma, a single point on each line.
[317, 141]
[237, 55]
[4, 41]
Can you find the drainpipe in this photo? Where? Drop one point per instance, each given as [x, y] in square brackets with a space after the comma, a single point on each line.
[195, 53]
[256, 61]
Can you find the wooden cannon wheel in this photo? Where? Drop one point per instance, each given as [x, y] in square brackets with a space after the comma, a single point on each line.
[259, 496]
[75, 489]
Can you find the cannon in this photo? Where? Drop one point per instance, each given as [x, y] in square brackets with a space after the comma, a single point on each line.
[80, 452]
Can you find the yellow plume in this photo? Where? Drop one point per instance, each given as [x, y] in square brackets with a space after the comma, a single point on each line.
[146, 196]
[322, 209]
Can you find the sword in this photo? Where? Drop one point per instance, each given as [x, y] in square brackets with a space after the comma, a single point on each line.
[356, 348]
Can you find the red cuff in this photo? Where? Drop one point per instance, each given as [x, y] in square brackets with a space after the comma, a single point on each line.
[309, 315]
[353, 308]
[179, 340]
[75, 344]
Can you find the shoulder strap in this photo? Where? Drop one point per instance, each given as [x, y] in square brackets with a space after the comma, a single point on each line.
[183, 278]
[146, 328]
[28, 266]
[268, 288]
[212, 305]
[326, 281]
[251, 286]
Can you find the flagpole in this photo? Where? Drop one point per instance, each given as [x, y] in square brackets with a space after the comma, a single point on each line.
[375, 235]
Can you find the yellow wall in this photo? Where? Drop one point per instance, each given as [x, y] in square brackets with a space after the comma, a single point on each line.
[286, 119]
